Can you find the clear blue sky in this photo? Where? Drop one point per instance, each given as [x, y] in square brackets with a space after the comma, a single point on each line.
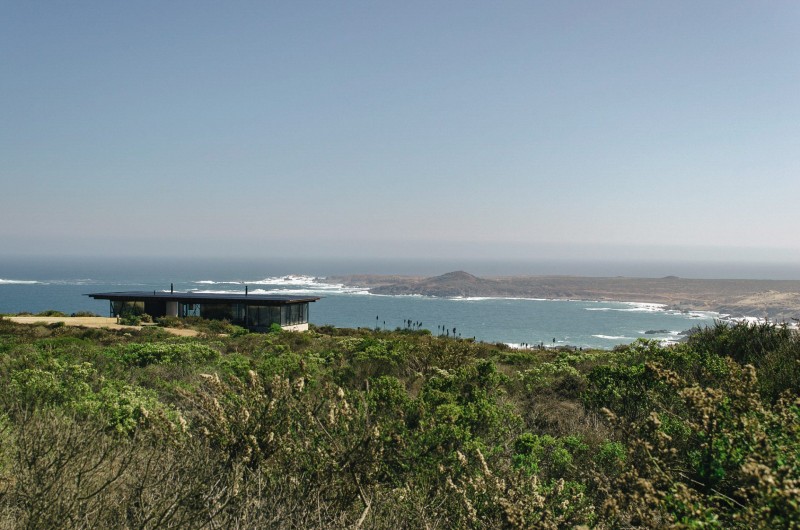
[642, 130]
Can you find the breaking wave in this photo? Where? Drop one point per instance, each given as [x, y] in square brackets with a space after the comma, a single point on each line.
[484, 298]
[633, 307]
[289, 285]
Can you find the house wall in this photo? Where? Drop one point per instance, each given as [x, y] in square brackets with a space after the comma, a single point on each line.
[291, 317]
[296, 327]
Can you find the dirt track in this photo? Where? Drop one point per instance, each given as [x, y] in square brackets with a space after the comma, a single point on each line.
[93, 322]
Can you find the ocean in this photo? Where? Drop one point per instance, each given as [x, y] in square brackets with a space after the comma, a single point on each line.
[35, 285]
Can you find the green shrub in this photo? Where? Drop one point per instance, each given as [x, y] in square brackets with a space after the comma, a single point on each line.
[547, 455]
[143, 354]
[238, 331]
[744, 342]
[51, 313]
[235, 364]
[126, 408]
[171, 322]
[130, 319]
[57, 382]
[393, 429]
[773, 349]
[611, 457]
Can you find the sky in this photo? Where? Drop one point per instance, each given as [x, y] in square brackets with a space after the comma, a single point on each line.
[519, 130]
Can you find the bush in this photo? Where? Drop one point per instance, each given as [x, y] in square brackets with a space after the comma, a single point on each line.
[137, 354]
[72, 473]
[51, 313]
[171, 322]
[124, 408]
[56, 382]
[611, 457]
[773, 349]
[355, 428]
[547, 455]
[130, 319]
[742, 341]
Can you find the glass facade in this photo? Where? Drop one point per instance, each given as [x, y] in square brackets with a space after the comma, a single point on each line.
[294, 314]
[119, 308]
[219, 312]
[189, 310]
[256, 317]
[253, 317]
[262, 317]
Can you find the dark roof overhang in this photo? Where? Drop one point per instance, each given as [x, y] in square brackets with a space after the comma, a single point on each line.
[203, 298]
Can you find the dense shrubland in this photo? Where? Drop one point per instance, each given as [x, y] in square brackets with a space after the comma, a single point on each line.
[378, 429]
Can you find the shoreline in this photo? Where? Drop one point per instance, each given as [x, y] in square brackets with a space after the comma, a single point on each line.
[773, 300]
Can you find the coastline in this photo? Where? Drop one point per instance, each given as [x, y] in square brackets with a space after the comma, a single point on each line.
[735, 300]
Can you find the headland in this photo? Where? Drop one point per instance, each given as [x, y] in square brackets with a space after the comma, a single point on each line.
[776, 300]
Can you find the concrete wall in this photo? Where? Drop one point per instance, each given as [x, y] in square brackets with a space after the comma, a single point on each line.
[296, 327]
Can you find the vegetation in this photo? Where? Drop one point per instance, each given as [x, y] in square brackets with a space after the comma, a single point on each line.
[378, 429]
[204, 326]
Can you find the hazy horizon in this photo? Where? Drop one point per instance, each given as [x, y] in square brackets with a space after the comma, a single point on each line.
[567, 132]
[249, 268]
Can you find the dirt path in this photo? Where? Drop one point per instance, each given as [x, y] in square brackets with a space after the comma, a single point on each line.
[93, 322]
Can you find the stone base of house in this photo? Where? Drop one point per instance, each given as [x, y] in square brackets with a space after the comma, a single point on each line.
[296, 327]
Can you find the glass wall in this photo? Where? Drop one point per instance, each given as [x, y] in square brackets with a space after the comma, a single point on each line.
[189, 310]
[294, 314]
[234, 313]
[119, 308]
[257, 318]
[262, 317]
[217, 312]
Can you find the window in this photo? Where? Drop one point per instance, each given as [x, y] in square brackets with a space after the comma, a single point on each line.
[120, 308]
[189, 310]
[274, 315]
[217, 312]
[294, 314]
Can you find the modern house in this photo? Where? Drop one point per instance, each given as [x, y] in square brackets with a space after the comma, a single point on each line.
[256, 312]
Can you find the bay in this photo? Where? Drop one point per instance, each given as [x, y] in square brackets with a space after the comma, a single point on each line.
[37, 285]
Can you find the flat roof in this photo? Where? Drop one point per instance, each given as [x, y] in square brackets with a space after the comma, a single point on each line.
[203, 298]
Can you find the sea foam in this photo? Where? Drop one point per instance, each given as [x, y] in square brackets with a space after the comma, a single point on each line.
[286, 285]
[633, 307]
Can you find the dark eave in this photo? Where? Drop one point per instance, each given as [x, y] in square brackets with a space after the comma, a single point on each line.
[203, 298]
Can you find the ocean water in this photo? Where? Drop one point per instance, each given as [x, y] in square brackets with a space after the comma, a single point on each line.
[38, 285]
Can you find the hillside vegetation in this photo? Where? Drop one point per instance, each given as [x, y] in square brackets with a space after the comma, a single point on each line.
[376, 429]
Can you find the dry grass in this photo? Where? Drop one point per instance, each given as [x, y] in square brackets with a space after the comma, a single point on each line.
[93, 322]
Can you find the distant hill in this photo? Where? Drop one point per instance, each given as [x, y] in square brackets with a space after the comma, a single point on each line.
[452, 284]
